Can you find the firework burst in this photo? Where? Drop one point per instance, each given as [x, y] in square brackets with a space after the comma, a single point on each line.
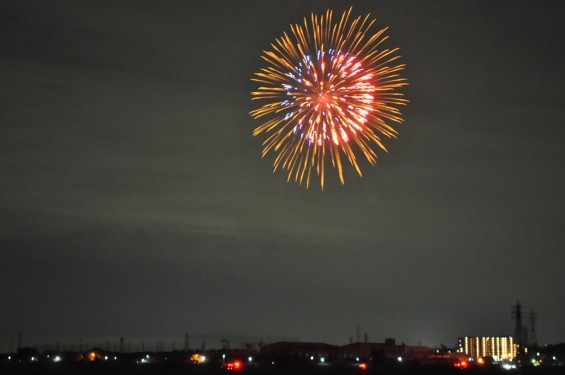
[332, 94]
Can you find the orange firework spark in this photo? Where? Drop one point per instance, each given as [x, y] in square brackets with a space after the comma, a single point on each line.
[331, 91]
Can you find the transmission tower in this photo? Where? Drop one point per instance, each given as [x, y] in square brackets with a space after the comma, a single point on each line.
[519, 334]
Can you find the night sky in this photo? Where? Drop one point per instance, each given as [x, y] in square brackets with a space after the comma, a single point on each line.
[134, 201]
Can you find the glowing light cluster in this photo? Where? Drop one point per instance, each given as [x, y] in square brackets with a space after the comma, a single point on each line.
[461, 364]
[234, 366]
[332, 92]
[499, 348]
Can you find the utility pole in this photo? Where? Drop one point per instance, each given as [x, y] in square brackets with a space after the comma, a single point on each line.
[533, 335]
[357, 333]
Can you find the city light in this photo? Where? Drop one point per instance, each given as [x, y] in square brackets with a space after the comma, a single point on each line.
[234, 366]
[197, 358]
[461, 364]
[319, 355]
[508, 366]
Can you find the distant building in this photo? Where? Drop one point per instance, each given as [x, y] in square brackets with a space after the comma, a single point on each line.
[299, 350]
[500, 348]
[418, 353]
[368, 350]
[384, 351]
[353, 352]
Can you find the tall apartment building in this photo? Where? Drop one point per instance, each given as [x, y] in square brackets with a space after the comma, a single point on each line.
[500, 348]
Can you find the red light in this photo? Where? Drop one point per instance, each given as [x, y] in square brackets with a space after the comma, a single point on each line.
[462, 364]
[234, 366]
[363, 366]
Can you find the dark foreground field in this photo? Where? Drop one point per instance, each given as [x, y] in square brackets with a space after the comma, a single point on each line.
[149, 369]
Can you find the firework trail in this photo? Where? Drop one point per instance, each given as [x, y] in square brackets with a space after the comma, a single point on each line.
[331, 92]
